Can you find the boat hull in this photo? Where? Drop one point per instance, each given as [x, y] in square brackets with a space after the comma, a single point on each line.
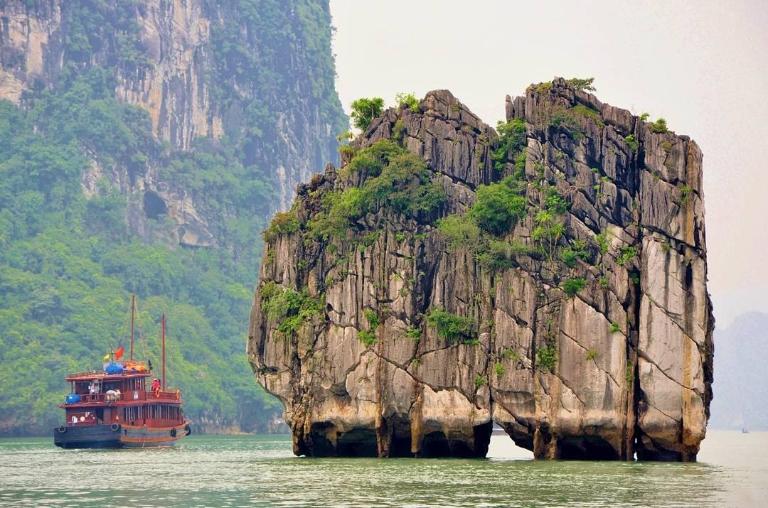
[145, 437]
[87, 436]
[117, 436]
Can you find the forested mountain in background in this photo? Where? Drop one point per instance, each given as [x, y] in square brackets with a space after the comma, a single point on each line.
[740, 389]
[143, 146]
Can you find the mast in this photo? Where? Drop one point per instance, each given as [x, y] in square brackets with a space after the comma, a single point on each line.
[163, 340]
[133, 318]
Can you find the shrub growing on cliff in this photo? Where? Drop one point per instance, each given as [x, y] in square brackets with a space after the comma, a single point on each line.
[546, 357]
[458, 231]
[282, 223]
[573, 285]
[501, 254]
[576, 251]
[632, 142]
[582, 84]
[452, 327]
[365, 110]
[498, 206]
[396, 179]
[372, 159]
[511, 144]
[407, 100]
[626, 255]
[288, 307]
[659, 126]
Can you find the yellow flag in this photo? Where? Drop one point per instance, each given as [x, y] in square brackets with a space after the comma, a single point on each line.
[106, 357]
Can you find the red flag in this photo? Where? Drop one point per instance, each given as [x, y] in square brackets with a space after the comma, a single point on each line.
[119, 352]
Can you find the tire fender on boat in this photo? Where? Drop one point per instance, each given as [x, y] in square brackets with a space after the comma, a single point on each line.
[61, 429]
[115, 427]
[188, 429]
[173, 432]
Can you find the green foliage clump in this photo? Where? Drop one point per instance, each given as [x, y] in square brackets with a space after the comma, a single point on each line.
[615, 327]
[413, 333]
[364, 110]
[562, 118]
[373, 318]
[510, 354]
[499, 206]
[632, 142]
[511, 144]
[602, 242]
[499, 369]
[685, 194]
[547, 233]
[501, 254]
[459, 231]
[591, 354]
[367, 337]
[576, 251]
[626, 255]
[452, 327]
[407, 100]
[588, 112]
[573, 285]
[582, 83]
[629, 373]
[659, 126]
[287, 307]
[546, 357]
[283, 223]
[480, 381]
[397, 179]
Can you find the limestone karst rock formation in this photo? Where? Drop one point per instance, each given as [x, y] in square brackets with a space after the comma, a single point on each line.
[205, 71]
[551, 279]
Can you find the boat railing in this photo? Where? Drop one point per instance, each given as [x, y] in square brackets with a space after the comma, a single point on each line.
[130, 395]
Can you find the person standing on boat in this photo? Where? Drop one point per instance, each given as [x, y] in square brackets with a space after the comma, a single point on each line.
[156, 387]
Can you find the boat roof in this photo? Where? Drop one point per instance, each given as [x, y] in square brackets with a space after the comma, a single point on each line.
[103, 376]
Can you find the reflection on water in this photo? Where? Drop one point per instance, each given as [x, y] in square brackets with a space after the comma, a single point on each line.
[260, 470]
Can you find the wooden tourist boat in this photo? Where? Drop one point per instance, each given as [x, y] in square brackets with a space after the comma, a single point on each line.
[114, 407]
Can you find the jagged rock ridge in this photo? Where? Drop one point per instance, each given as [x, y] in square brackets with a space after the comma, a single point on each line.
[581, 325]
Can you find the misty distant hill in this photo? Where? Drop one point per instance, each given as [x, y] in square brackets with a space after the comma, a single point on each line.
[741, 374]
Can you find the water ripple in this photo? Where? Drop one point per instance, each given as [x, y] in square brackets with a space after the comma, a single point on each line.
[261, 471]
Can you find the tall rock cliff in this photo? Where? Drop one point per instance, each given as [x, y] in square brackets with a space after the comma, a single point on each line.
[252, 74]
[550, 278]
[144, 144]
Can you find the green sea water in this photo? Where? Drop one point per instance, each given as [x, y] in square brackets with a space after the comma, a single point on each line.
[261, 471]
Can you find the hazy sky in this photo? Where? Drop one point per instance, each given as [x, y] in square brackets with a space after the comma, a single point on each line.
[702, 65]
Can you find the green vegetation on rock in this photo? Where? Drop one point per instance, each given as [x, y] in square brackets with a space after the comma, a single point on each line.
[69, 262]
[289, 308]
[396, 180]
[364, 110]
[407, 100]
[546, 357]
[453, 328]
[573, 285]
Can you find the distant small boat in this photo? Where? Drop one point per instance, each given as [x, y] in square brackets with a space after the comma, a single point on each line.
[744, 430]
[113, 408]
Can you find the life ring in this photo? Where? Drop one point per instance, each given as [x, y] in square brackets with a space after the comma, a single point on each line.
[173, 432]
[115, 427]
[61, 429]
